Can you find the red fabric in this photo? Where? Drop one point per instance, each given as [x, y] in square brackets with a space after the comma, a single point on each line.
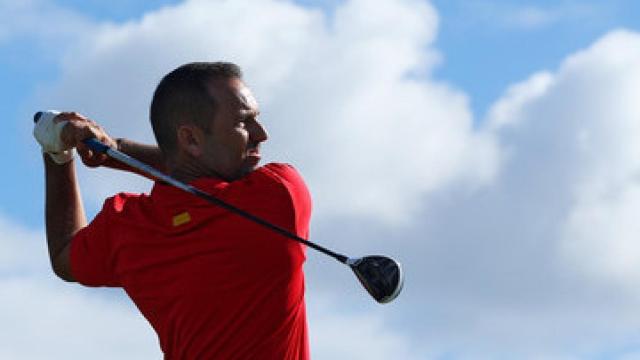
[218, 286]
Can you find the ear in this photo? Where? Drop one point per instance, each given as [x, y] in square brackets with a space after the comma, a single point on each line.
[190, 140]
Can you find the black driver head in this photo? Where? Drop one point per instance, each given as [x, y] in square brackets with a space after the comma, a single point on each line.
[380, 275]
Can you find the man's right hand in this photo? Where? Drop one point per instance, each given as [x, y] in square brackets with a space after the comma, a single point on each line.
[79, 128]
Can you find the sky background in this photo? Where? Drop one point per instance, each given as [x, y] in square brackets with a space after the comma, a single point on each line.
[491, 146]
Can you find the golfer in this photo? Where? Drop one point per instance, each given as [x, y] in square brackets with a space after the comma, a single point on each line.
[212, 284]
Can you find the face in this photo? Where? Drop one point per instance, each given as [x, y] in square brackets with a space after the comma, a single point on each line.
[231, 147]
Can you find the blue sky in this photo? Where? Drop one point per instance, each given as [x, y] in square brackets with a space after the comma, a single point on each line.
[484, 52]
[490, 145]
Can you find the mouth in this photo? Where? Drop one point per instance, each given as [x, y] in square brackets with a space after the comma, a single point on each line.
[253, 155]
[253, 151]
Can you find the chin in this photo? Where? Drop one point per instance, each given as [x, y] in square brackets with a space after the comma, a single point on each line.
[247, 170]
[242, 173]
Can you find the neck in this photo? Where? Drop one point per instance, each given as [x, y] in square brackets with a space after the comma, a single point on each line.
[187, 170]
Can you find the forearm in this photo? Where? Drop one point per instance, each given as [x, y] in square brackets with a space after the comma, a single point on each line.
[64, 213]
[148, 154]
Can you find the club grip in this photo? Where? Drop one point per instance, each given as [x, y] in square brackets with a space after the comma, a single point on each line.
[95, 145]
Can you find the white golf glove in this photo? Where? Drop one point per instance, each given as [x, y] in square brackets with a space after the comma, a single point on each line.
[47, 133]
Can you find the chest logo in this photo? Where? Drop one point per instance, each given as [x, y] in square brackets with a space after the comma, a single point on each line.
[181, 219]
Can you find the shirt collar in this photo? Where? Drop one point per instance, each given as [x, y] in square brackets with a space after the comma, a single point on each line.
[207, 184]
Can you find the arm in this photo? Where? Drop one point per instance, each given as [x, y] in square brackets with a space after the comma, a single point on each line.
[64, 211]
[64, 214]
[149, 154]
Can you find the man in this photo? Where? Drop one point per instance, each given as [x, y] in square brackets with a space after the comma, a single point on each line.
[212, 284]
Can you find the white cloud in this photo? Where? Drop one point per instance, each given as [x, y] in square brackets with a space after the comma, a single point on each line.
[584, 121]
[45, 319]
[602, 231]
[511, 106]
[23, 250]
[544, 262]
[355, 335]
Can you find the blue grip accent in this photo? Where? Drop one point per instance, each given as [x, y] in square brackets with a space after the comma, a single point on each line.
[95, 145]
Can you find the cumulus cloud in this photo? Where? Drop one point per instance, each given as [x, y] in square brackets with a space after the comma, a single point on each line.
[23, 249]
[349, 99]
[586, 119]
[602, 228]
[339, 334]
[544, 261]
[44, 319]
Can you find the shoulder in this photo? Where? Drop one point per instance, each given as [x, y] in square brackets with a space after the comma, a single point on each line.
[282, 189]
[275, 183]
[284, 176]
[290, 180]
[282, 173]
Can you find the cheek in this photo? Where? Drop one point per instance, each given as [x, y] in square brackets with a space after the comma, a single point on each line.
[241, 139]
[235, 146]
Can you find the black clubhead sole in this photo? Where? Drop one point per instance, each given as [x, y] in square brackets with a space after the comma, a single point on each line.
[381, 276]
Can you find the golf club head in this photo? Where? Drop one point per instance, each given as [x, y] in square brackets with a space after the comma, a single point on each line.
[381, 276]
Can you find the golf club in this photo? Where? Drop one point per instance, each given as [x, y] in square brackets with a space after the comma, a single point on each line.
[381, 276]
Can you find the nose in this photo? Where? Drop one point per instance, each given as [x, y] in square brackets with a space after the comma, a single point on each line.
[259, 133]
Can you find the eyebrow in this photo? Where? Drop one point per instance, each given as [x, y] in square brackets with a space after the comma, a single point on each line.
[249, 113]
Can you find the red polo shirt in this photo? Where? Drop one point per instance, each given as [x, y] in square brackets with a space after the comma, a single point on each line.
[212, 284]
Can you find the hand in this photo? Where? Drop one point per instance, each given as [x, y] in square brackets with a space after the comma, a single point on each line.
[79, 128]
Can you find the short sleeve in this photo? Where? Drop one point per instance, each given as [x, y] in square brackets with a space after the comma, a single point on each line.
[91, 255]
[298, 194]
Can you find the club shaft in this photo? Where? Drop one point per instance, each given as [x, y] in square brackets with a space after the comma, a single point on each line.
[96, 145]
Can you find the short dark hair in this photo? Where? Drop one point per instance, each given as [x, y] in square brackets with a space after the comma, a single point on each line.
[182, 97]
